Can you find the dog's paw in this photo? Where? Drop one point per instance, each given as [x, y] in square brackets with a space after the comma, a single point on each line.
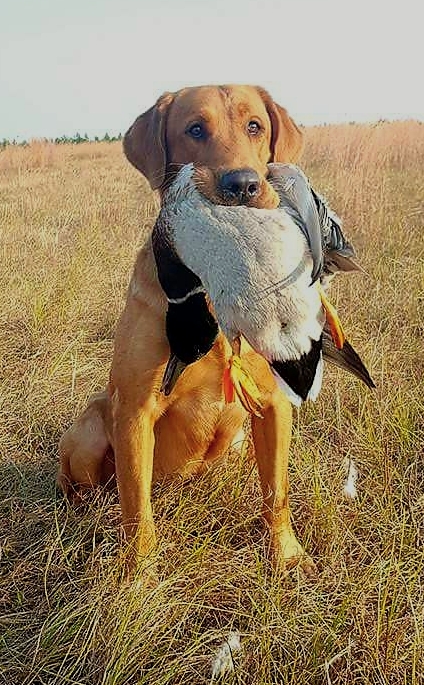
[286, 553]
[135, 571]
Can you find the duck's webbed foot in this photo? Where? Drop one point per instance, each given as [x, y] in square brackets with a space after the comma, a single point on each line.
[238, 382]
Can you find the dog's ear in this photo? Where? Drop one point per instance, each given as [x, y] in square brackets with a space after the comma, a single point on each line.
[286, 138]
[145, 141]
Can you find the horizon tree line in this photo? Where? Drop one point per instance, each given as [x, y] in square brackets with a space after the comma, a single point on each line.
[76, 139]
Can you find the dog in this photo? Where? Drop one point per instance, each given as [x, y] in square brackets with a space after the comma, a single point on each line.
[131, 430]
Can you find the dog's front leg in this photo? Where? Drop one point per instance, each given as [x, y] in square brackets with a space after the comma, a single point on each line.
[133, 437]
[272, 436]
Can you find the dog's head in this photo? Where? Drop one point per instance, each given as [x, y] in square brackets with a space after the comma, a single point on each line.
[229, 133]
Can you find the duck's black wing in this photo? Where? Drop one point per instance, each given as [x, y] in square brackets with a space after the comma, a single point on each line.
[299, 375]
[190, 327]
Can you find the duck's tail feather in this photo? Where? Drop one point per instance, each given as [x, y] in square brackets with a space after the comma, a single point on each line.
[317, 384]
[345, 358]
[293, 397]
[300, 379]
[337, 260]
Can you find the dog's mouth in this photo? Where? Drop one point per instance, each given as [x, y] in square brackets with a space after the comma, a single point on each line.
[240, 187]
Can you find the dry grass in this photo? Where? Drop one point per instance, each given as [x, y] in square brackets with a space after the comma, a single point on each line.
[70, 222]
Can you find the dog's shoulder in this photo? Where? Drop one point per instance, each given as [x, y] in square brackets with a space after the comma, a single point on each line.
[144, 286]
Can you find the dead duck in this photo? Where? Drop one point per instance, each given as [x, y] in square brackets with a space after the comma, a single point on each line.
[256, 267]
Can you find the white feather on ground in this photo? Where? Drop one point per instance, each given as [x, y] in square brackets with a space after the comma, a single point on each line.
[223, 662]
[352, 473]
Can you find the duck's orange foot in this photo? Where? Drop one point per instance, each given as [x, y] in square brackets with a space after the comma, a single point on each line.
[238, 382]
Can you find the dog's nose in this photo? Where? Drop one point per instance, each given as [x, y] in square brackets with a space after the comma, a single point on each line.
[239, 184]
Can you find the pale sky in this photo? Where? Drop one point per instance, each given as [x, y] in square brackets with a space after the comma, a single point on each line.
[93, 65]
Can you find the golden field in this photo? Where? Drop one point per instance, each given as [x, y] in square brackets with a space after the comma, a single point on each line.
[71, 219]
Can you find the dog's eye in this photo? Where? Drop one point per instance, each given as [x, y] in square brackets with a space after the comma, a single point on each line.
[253, 128]
[195, 131]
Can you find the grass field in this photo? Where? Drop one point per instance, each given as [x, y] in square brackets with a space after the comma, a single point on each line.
[71, 218]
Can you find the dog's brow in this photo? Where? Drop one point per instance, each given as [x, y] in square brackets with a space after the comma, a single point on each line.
[203, 114]
[243, 108]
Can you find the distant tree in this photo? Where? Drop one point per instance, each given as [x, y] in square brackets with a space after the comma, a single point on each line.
[64, 139]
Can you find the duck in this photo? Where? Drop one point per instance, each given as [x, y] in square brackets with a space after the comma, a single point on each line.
[261, 275]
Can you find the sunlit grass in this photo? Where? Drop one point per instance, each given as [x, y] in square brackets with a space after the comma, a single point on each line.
[71, 218]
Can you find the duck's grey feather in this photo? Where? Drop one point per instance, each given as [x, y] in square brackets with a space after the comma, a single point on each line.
[298, 202]
[331, 251]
